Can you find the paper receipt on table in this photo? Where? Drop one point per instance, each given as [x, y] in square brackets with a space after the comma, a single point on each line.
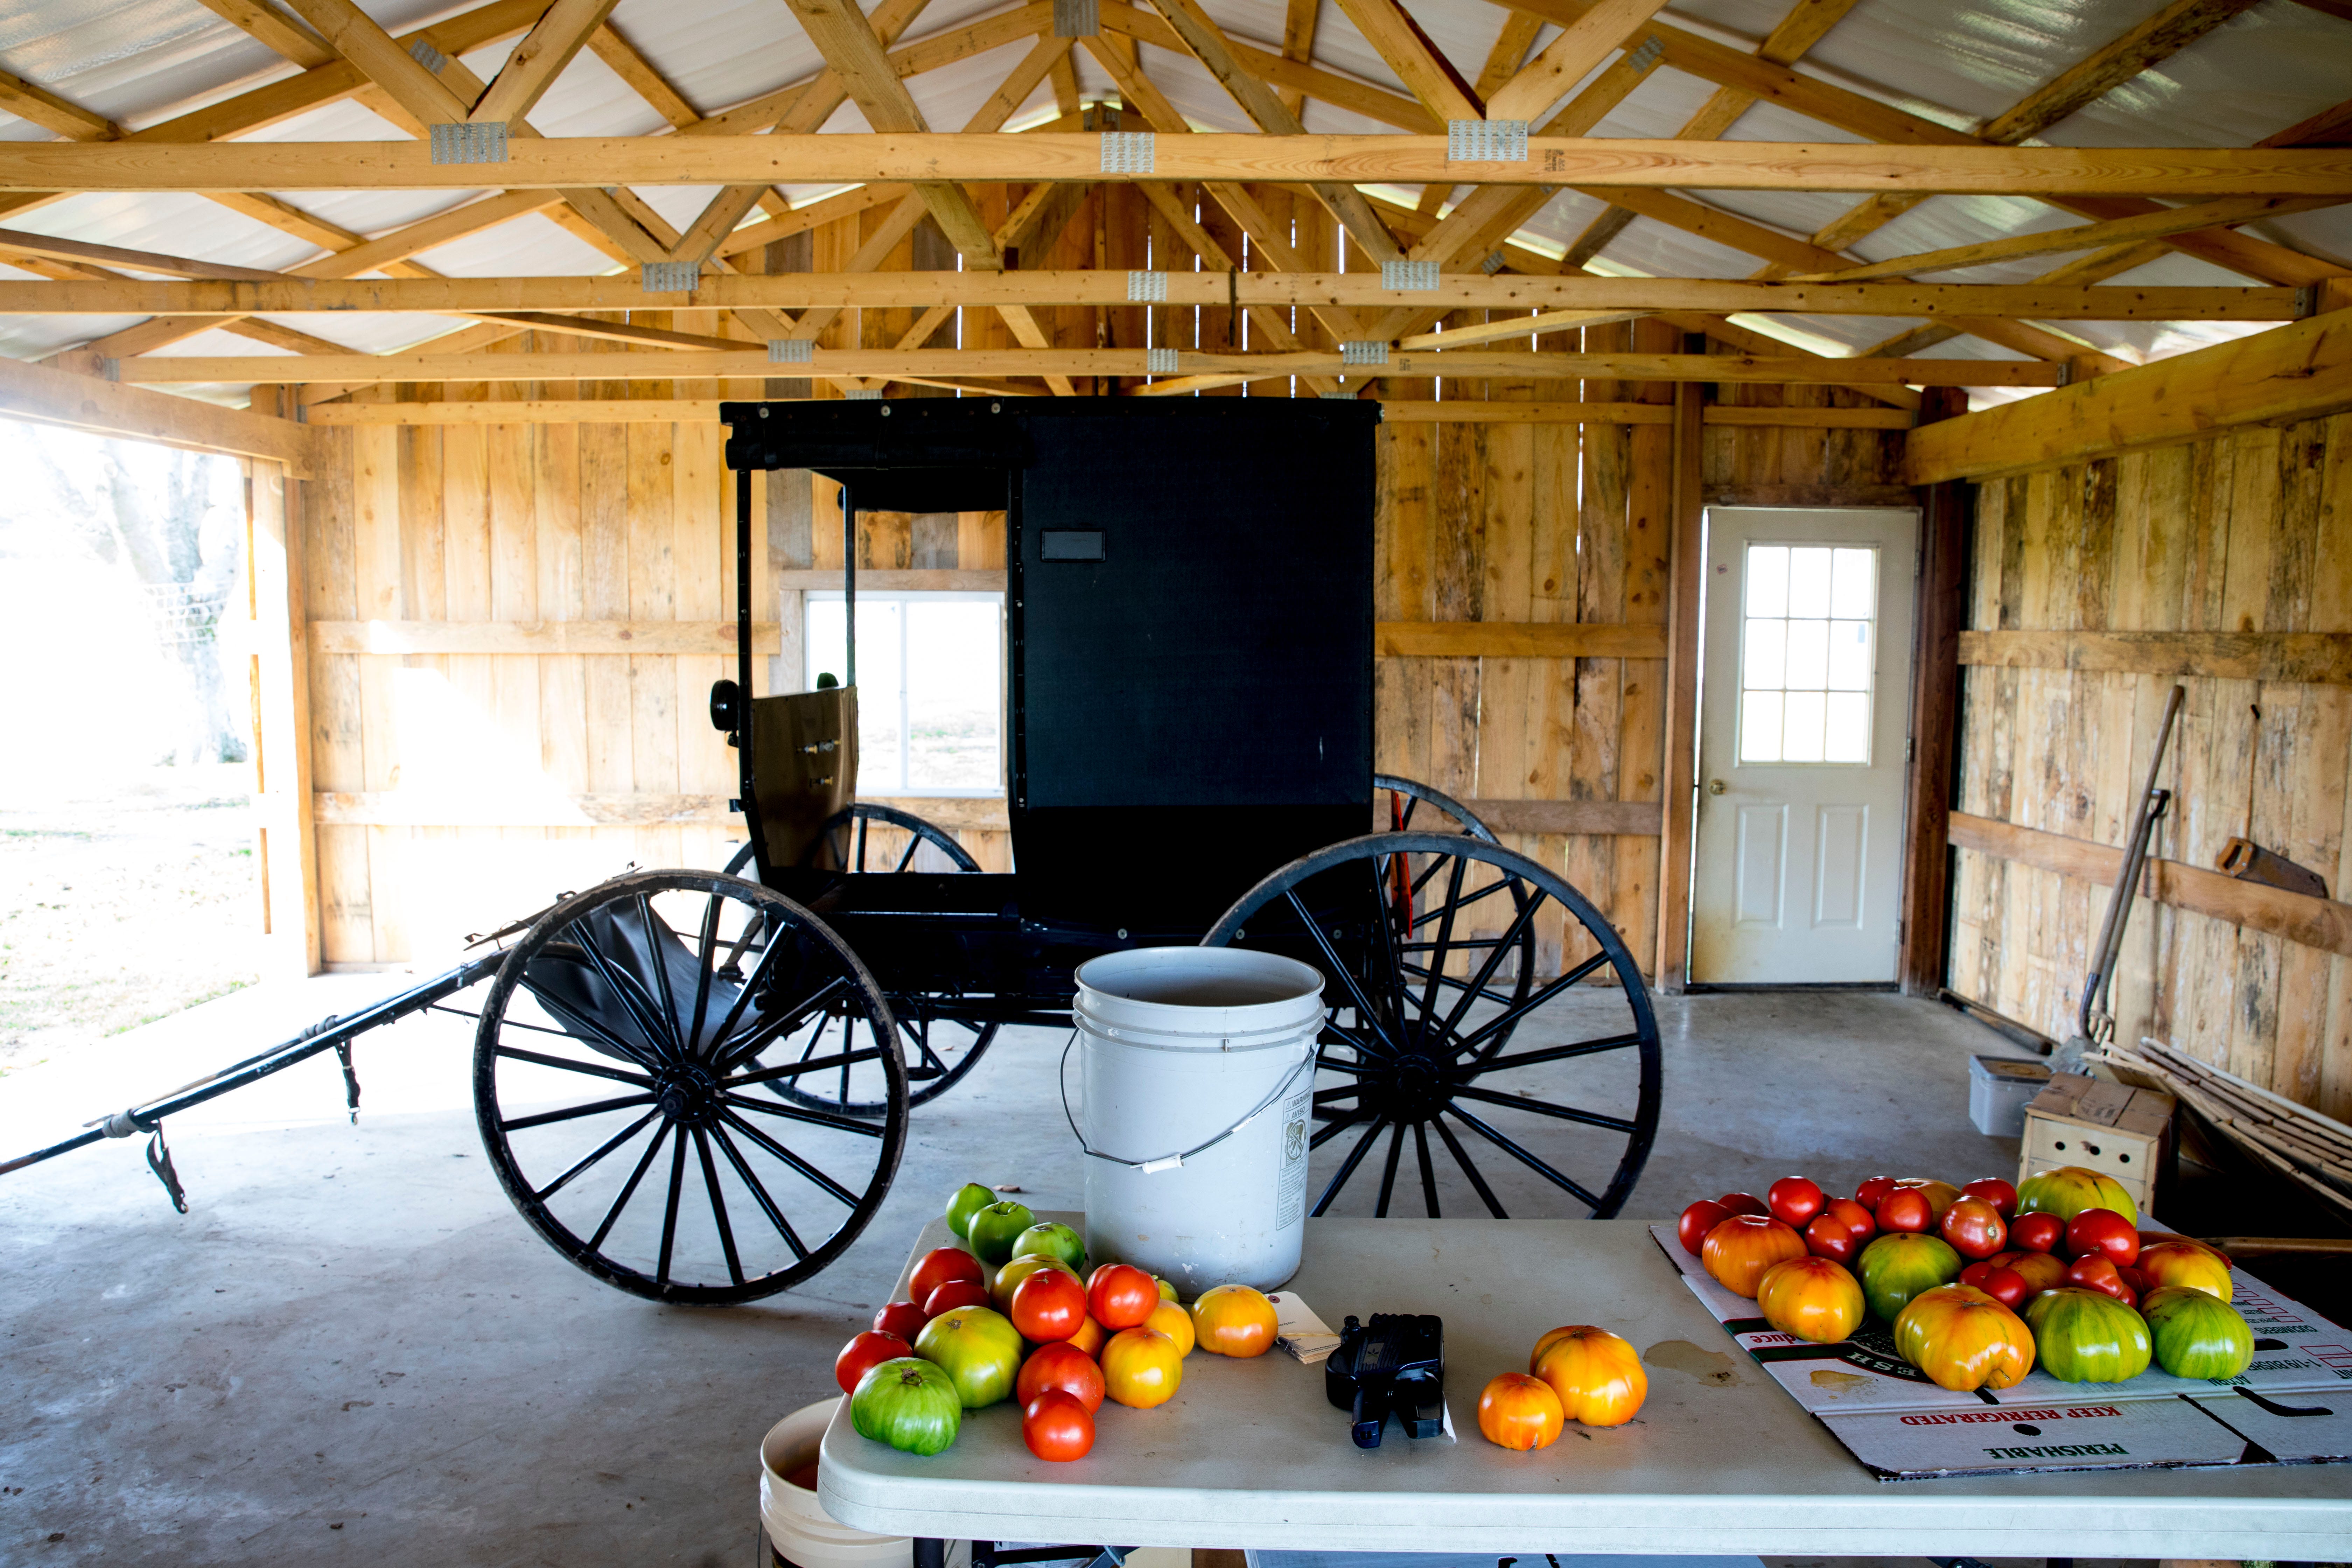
[1297, 1330]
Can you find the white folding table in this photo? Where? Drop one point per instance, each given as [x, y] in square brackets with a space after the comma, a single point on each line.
[1720, 1460]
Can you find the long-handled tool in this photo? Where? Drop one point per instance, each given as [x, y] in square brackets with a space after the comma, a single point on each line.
[2093, 1022]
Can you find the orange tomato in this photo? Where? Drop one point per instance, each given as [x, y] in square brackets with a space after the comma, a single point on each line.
[1171, 1319]
[1964, 1339]
[1741, 1248]
[1233, 1319]
[2187, 1263]
[1063, 1367]
[1812, 1298]
[1551, 1338]
[1090, 1338]
[1141, 1368]
[1520, 1413]
[1598, 1376]
[1120, 1297]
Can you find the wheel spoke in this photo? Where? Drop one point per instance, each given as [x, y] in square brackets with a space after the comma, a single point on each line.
[1359, 1047]
[1508, 1147]
[565, 1064]
[573, 1113]
[1387, 960]
[702, 971]
[1437, 958]
[1340, 1122]
[1389, 1170]
[1348, 1167]
[1517, 928]
[1363, 1004]
[1462, 1158]
[653, 929]
[615, 1141]
[721, 1044]
[1428, 1176]
[629, 1187]
[1547, 1054]
[914, 842]
[1543, 1107]
[1454, 902]
[587, 1026]
[1350, 1091]
[760, 1193]
[1517, 1011]
[802, 1113]
[756, 1040]
[718, 1207]
[1359, 1068]
[638, 1006]
[789, 1158]
[795, 1069]
[669, 1212]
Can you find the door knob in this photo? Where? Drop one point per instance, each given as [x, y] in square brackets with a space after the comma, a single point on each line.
[1715, 786]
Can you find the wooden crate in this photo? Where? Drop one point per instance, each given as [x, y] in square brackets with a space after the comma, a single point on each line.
[2111, 1128]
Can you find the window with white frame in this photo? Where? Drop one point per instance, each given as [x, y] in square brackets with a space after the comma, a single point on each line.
[1808, 652]
[930, 688]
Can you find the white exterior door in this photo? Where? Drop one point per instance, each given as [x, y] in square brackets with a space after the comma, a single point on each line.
[1804, 707]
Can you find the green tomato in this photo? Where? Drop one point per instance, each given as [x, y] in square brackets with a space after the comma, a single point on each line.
[2070, 1189]
[993, 1230]
[909, 1404]
[1899, 1265]
[2088, 1336]
[2196, 1334]
[1055, 1240]
[979, 1350]
[1008, 1278]
[969, 1200]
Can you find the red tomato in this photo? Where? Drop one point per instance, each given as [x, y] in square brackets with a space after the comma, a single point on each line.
[2132, 1277]
[1830, 1238]
[939, 1266]
[2037, 1233]
[1974, 1228]
[1062, 1366]
[904, 1318]
[1049, 1305]
[1795, 1200]
[2104, 1232]
[1994, 1191]
[1697, 1220]
[1856, 1217]
[1873, 1191]
[869, 1349]
[1907, 1209]
[1056, 1426]
[2096, 1271]
[1119, 1297]
[953, 1294]
[2008, 1287]
[1743, 1203]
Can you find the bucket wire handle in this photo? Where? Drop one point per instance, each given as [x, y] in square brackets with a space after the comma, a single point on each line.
[1170, 1162]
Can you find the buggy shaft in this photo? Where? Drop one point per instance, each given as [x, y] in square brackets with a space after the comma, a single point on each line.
[324, 1036]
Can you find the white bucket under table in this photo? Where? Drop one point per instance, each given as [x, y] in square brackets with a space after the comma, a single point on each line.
[800, 1532]
[1197, 1066]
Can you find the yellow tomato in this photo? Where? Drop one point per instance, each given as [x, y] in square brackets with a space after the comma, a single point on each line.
[1171, 1319]
[1141, 1368]
[1598, 1376]
[1233, 1319]
[1167, 1288]
[1520, 1412]
[1089, 1338]
[1551, 1338]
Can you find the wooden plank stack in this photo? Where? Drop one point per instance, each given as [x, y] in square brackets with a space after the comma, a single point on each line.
[2310, 1149]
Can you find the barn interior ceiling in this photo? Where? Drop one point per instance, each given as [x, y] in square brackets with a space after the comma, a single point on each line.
[2031, 73]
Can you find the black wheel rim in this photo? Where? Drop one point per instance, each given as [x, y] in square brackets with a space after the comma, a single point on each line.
[1412, 1048]
[621, 1068]
[942, 1042]
[1406, 799]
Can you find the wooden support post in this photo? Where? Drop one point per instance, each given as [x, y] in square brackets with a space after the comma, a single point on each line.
[1686, 560]
[279, 665]
[1945, 511]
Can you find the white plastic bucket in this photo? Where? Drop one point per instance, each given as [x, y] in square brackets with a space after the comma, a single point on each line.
[1197, 1066]
[799, 1530]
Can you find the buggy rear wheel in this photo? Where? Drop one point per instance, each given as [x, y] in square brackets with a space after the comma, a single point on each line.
[614, 1070]
[1416, 1012]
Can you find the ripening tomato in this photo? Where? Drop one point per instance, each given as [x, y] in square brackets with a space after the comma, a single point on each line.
[939, 1266]
[1998, 1280]
[1057, 1428]
[1141, 1367]
[2133, 1277]
[1091, 1337]
[1169, 1318]
[1744, 1203]
[871, 1348]
[953, 1294]
[2040, 1270]
[1830, 1237]
[1234, 1320]
[1795, 1200]
[1741, 1248]
[1974, 1228]
[1519, 1412]
[1906, 1209]
[1049, 1305]
[2037, 1233]
[1996, 1192]
[904, 1318]
[1062, 1366]
[1697, 1220]
[2104, 1232]
[2096, 1271]
[2186, 1263]
[1872, 1193]
[1598, 1376]
[1119, 1297]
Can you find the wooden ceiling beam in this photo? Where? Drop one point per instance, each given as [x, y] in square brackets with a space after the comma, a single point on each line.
[2226, 211]
[1417, 60]
[28, 244]
[2153, 41]
[1299, 22]
[539, 59]
[1086, 362]
[273, 29]
[28, 101]
[1569, 58]
[1273, 323]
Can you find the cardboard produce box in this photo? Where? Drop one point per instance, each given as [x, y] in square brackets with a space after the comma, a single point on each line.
[2110, 1128]
[2292, 1406]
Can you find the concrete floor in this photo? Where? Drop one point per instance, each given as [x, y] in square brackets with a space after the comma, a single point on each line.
[352, 1349]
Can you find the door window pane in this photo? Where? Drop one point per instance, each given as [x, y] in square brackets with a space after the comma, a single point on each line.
[930, 688]
[1807, 653]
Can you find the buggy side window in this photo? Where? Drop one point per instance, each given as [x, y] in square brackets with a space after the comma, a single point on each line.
[930, 697]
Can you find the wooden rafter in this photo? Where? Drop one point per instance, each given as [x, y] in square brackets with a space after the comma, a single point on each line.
[1417, 60]
[1299, 18]
[542, 56]
[2227, 211]
[1569, 58]
[273, 29]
